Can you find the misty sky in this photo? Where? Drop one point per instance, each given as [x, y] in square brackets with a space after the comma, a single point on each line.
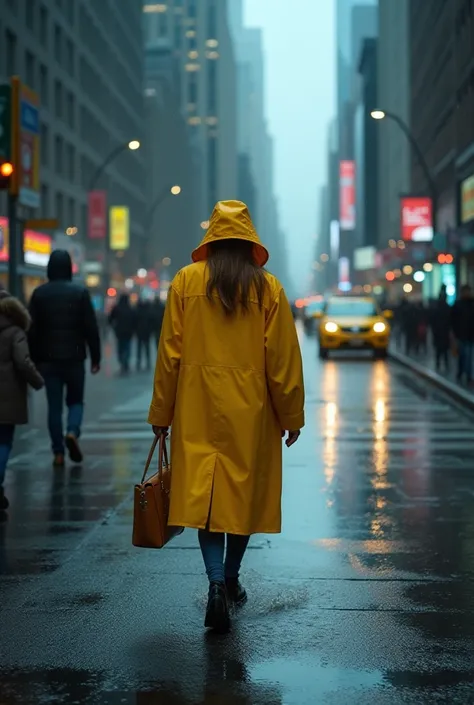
[300, 101]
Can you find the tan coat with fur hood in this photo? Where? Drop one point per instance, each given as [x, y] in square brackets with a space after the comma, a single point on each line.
[16, 367]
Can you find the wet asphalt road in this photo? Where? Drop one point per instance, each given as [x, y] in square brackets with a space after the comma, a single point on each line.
[367, 596]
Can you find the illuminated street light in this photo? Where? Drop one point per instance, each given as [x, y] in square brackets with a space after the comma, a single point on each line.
[141, 274]
[407, 269]
[428, 267]
[378, 114]
[205, 224]
[419, 276]
[324, 258]
[407, 288]
[166, 261]
[176, 190]
[133, 145]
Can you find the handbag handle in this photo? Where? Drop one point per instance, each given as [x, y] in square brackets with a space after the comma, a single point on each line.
[162, 455]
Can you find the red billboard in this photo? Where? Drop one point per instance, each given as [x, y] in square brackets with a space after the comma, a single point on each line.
[416, 218]
[97, 228]
[347, 195]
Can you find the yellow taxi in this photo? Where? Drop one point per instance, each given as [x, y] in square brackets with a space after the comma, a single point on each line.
[353, 323]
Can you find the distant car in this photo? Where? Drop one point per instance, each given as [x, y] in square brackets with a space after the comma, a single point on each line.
[311, 315]
[353, 323]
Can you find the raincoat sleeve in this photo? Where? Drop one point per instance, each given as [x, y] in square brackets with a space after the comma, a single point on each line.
[284, 368]
[167, 362]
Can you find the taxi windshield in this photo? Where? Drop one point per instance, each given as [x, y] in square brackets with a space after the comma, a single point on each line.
[315, 306]
[348, 307]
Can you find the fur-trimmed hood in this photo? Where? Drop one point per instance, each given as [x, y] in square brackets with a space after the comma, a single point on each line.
[13, 313]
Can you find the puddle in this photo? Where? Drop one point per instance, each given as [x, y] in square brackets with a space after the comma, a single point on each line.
[299, 677]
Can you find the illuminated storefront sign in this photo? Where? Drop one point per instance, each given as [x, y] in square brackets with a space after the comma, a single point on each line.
[119, 220]
[416, 219]
[347, 195]
[467, 200]
[37, 247]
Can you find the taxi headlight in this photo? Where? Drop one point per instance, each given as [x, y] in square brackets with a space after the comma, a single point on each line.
[331, 327]
[380, 327]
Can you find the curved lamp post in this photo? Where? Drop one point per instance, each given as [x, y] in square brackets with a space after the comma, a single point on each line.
[133, 145]
[379, 114]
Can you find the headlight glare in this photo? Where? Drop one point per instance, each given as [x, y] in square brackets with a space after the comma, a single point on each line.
[331, 327]
[380, 327]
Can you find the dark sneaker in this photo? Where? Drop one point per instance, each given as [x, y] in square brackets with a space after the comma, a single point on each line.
[217, 613]
[72, 445]
[58, 460]
[4, 503]
[235, 592]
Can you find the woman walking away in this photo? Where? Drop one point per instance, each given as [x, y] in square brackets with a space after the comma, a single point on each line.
[122, 319]
[16, 372]
[229, 379]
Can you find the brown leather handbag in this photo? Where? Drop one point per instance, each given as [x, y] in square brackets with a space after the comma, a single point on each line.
[152, 503]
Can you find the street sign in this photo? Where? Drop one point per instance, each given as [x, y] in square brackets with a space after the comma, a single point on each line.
[43, 224]
[5, 122]
[27, 147]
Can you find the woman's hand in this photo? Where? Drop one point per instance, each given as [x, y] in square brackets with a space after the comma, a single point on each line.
[161, 430]
[292, 437]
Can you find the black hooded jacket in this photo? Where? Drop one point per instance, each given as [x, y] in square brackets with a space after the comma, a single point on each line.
[64, 324]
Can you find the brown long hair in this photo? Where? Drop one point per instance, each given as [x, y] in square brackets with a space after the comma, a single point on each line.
[234, 276]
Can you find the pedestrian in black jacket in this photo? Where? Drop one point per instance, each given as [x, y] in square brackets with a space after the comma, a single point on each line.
[462, 322]
[144, 330]
[64, 328]
[123, 321]
[440, 318]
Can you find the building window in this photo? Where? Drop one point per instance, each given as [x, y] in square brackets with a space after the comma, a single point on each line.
[58, 99]
[192, 90]
[71, 213]
[71, 121]
[43, 25]
[71, 163]
[212, 29]
[59, 155]
[10, 49]
[30, 14]
[58, 49]
[30, 70]
[212, 88]
[60, 208]
[45, 200]
[70, 57]
[44, 145]
[44, 88]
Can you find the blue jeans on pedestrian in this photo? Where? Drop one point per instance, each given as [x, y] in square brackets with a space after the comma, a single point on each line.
[7, 431]
[124, 350]
[212, 548]
[465, 353]
[64, 377]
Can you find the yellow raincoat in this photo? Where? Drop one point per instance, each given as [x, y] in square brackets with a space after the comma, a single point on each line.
[228, 386]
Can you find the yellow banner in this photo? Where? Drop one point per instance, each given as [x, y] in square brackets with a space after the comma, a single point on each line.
[467, 200]
[119, 224]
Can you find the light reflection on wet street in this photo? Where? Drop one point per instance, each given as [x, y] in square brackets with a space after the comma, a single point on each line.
[367, 596]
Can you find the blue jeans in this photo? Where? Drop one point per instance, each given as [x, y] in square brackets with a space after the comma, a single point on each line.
[124, 349]
[7, 431]
[60, 377]
[465, 360]
[212, 548]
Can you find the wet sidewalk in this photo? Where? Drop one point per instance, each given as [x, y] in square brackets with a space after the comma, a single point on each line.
[366, 596]
[424, 364]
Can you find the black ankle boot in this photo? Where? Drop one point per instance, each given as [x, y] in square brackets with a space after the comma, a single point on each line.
[217, 613]
[4, 503]
[235, 592]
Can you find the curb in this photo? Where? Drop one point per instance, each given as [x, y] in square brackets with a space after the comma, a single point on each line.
[451, 389]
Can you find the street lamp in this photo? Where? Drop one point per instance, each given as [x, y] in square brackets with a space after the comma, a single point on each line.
[162, 196]
[133, 145]
[378, 114]
[175, 190]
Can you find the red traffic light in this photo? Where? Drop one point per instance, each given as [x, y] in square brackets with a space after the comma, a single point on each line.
[6, 169]
[445, 259]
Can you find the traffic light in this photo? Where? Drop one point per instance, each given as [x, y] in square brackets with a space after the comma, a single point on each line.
[6, 171]
[445, 259]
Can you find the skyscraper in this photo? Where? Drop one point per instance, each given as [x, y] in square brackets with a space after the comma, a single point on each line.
[199, 36]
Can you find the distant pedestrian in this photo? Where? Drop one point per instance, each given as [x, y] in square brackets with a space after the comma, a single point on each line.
[422, 320]
[462, 323]
[123, 321]
[158, 311]
[440, 320]
[16, 371]
[229, 379]
[144, 330]
[64, 329]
